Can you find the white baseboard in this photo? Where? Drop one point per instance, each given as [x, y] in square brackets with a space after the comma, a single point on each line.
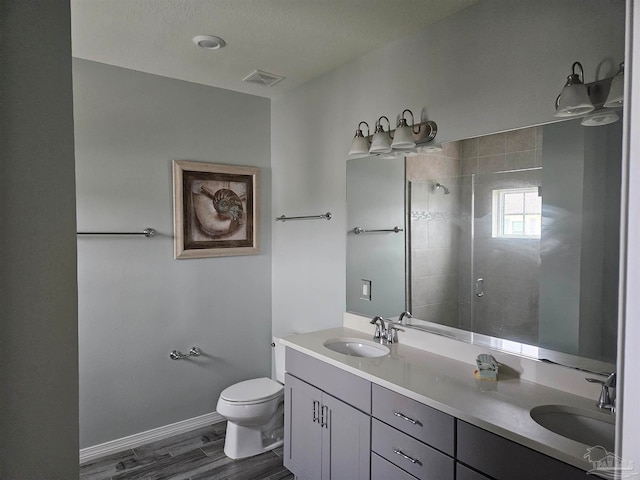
[137, 439]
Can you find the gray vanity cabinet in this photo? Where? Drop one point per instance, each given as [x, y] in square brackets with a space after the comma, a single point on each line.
[326, 438]
[339, 426]
[503, 459]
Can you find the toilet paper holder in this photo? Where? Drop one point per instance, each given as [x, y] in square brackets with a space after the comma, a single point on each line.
[178, 355]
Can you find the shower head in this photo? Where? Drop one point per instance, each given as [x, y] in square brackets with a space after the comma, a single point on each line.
[444, 189]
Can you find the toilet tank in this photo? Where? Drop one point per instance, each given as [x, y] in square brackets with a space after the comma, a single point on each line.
[278, 359]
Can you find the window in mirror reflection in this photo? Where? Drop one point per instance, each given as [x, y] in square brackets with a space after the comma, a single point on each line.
[517, 213]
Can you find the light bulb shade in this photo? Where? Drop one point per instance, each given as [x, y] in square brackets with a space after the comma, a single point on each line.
[616, 92]
[359, 145]
[381, 142]
[601, 117]
[574, 101]
[403, 137]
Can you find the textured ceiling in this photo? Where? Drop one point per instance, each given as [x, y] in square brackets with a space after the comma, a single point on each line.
[298, 39]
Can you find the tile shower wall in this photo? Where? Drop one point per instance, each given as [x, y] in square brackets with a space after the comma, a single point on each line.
[441, 236]
[435, 234]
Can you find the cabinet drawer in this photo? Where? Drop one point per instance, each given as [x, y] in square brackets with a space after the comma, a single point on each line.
[464, 473]
[427, 464]
[347, 387]
[505, 460]
[383, 470]
[431, 426]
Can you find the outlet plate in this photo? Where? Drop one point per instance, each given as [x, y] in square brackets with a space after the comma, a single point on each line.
[365, 289]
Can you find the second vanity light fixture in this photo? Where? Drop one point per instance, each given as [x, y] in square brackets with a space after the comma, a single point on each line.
[596, 98]
[405, 137]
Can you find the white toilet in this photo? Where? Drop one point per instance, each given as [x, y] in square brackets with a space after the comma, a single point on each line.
[254, 410]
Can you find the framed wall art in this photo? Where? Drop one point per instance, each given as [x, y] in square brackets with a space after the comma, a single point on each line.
[215, 210]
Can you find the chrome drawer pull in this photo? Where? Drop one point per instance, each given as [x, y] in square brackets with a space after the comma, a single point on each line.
[404, 455]
[404, 417]
[324, 414]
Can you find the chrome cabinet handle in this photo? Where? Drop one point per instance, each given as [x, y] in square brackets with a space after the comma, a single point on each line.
[404, 417]
[407, 457]
[324, 415]
[316, 418]
[480, 287]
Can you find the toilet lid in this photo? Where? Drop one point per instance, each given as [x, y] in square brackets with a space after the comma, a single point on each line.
[254, 390]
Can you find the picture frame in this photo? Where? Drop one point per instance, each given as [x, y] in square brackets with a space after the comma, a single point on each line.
[215, 210]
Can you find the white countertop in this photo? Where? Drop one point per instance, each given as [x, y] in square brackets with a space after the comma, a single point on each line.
[448, 385]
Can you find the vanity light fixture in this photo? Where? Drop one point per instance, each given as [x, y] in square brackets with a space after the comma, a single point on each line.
[574, 99]
[360, 144]
[578, 98]
[616, 90]
[403, 137]
[398, 143]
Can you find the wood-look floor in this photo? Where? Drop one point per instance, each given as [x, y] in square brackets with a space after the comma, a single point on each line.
[195, 455]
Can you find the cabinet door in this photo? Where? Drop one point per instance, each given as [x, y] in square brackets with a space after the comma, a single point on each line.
[303, 435]
[346, 441]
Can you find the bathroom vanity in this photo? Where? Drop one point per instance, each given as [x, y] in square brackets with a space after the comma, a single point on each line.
[413, 414]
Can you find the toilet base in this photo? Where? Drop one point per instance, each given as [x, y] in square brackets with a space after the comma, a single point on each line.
[246, 441]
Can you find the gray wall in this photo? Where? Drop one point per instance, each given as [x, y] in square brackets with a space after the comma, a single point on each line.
[38, 300]
[497, 65]
[136, 303]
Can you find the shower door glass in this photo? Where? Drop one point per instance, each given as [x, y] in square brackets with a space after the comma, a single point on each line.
[506, 234]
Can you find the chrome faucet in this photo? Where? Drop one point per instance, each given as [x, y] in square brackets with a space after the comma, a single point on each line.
[392, 332]
[404, 314]
[605, 401]
[386, 331]
[381, 331]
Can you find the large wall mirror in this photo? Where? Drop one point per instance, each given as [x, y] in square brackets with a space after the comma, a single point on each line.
[509, 240]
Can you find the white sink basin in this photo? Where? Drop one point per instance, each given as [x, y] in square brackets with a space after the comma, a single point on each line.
[587, 427]
[356, 347]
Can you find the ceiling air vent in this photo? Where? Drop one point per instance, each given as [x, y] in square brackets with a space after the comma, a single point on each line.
[264, 79]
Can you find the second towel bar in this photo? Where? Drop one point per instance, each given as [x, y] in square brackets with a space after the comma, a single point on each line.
[359, 230]
[326, 216]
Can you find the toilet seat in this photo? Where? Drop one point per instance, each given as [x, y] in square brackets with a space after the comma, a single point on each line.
[249, 392]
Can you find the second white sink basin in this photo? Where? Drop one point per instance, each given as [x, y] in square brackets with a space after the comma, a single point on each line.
[356, 347]
[587, 427]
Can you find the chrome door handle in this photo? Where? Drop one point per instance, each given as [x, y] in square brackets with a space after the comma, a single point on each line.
[407, 457]
[480, 287]
[404, 417]
[316, 418]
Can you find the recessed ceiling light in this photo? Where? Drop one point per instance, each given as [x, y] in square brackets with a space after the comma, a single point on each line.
[210, 42]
